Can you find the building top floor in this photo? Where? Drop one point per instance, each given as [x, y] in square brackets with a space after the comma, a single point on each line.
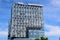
[29, 4]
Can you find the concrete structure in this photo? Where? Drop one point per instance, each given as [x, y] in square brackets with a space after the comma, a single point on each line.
[26, 22]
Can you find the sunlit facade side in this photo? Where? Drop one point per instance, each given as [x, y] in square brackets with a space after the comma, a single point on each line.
[26, 22]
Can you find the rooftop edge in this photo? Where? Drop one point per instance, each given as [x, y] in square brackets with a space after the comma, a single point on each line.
[29, 4]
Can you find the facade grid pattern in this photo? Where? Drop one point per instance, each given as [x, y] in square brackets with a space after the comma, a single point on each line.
[26, 20]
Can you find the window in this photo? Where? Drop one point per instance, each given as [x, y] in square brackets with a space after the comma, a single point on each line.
[34, 33]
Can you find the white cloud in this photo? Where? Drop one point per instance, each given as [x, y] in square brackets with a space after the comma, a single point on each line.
[3, 33]
[3, 29]
[52, 30]
[55, 3]
[3, 26]
[52, 13]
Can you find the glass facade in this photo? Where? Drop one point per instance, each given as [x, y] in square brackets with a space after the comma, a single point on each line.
[36, 33]
[24, 16]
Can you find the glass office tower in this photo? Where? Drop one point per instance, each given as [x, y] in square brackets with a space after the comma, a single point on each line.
[26, 22]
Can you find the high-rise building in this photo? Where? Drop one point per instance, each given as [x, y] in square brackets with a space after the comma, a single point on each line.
[59, 38]
[26, 22]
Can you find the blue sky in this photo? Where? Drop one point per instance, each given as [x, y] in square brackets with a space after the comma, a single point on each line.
[51, 12]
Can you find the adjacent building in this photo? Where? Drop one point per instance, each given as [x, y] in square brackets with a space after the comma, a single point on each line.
[26, 22]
